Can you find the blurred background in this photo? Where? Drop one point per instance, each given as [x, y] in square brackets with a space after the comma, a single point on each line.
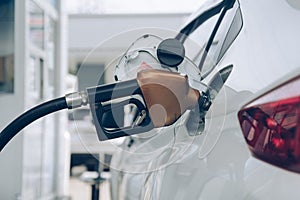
[43, 43]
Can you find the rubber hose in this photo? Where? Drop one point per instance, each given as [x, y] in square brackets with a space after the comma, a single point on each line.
[29, 116]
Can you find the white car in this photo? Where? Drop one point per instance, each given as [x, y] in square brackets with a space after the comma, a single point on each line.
[234, 135]
[261, 40]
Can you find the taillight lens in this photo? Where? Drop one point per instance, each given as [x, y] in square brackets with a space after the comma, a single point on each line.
[271, 126]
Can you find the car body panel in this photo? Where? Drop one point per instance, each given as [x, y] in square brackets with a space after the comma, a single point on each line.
[217, 164]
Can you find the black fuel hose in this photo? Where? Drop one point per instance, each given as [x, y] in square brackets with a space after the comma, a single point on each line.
[31, 115]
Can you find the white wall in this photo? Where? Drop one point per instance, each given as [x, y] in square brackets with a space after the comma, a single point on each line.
[11, 157]
[88, 31]
[85, 31]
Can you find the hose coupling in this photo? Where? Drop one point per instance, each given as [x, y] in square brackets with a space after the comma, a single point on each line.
[76, 99]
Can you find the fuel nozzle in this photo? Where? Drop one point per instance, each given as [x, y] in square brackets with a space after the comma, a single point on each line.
[159, 97]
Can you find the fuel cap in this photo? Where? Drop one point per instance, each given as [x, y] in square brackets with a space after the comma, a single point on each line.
[170, 52]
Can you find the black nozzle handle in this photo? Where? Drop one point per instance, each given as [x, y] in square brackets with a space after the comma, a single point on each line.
[105, 98]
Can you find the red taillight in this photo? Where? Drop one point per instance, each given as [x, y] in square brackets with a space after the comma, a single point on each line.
[271, 126]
